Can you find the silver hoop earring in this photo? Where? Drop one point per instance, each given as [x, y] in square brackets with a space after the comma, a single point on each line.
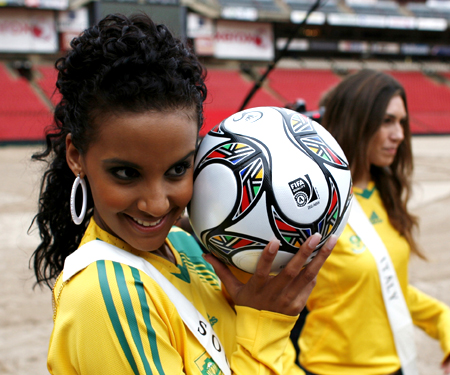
[78, 219]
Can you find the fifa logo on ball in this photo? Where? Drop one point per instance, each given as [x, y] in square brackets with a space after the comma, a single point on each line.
[303, 191]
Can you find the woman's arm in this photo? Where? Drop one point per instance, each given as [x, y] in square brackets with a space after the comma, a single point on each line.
[267, 308]
[433, 317]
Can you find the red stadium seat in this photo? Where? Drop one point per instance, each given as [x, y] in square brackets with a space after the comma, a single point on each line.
[226, 92]
[47, 82]
[428, 102]
[23, 115]
[308, 84]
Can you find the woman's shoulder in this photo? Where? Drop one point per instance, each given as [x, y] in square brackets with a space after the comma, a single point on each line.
[109, 289]
[184, 242]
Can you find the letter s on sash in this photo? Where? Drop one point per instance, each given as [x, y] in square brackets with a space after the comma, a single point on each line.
[202, 328]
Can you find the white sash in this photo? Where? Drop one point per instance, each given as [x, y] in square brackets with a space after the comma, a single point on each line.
[397, 310]
[197, 324]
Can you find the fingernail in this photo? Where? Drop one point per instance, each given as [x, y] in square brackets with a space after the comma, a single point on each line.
[332, 241]
[314, 241]
[273, 246]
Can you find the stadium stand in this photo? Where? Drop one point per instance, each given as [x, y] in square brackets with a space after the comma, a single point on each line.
[303, 5]
[226, 93]
[25, 106]
[446, 76]
[47, 82]
[23, 115]
[381, 8]
[423, 10]
[428, 102]
[308, 85]
[260, 5]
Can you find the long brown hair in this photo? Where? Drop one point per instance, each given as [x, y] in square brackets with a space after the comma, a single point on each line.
[354, 111]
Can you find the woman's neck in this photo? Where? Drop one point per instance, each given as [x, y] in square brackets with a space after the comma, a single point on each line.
[165, 252]
[363, 181]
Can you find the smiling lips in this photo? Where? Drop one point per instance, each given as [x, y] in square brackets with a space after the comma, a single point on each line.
[391, 150]
[147, 223]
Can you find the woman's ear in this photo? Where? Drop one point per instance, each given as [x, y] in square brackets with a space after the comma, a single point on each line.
[73, 157]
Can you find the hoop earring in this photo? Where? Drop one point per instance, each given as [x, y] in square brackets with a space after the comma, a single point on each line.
[78, 219]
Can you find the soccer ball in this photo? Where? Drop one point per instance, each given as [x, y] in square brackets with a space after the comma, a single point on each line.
[266, 173]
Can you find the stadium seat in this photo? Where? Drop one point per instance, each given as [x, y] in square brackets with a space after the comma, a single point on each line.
[227, 91]
[304, 5]
[47, 82]
[23, 115]
[423, 10]
[308, 84]
[428, 102]
[382, 8]
[260, 5]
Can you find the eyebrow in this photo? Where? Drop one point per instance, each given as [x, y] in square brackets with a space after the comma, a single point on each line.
[393, 116]
[124, 163]
[129, 164]
[189, 154]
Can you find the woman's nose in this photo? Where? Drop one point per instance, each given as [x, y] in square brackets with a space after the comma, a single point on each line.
[154, 201]
[398, 132]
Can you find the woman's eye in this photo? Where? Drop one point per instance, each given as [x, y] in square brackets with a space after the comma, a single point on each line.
[179, 169]
[388, 120]
[125, 173]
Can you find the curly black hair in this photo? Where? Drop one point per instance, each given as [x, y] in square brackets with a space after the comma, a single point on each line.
[123, 64]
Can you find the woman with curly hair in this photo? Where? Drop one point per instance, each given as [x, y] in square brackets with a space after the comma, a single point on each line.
[362, 310]
[132, 294]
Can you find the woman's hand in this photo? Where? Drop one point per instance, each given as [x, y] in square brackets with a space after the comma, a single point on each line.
[285, 293]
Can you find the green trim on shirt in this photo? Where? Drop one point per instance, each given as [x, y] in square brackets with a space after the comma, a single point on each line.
[112, 312]
[367, 192]
[145, 309]
[131, 316]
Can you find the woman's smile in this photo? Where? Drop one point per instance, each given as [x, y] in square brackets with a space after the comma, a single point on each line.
[147, 223]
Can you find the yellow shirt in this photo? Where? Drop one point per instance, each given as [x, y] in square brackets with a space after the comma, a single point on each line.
[111, 318]
[347, 329]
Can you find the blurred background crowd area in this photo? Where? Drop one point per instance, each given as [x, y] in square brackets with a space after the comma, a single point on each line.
[236, 40]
